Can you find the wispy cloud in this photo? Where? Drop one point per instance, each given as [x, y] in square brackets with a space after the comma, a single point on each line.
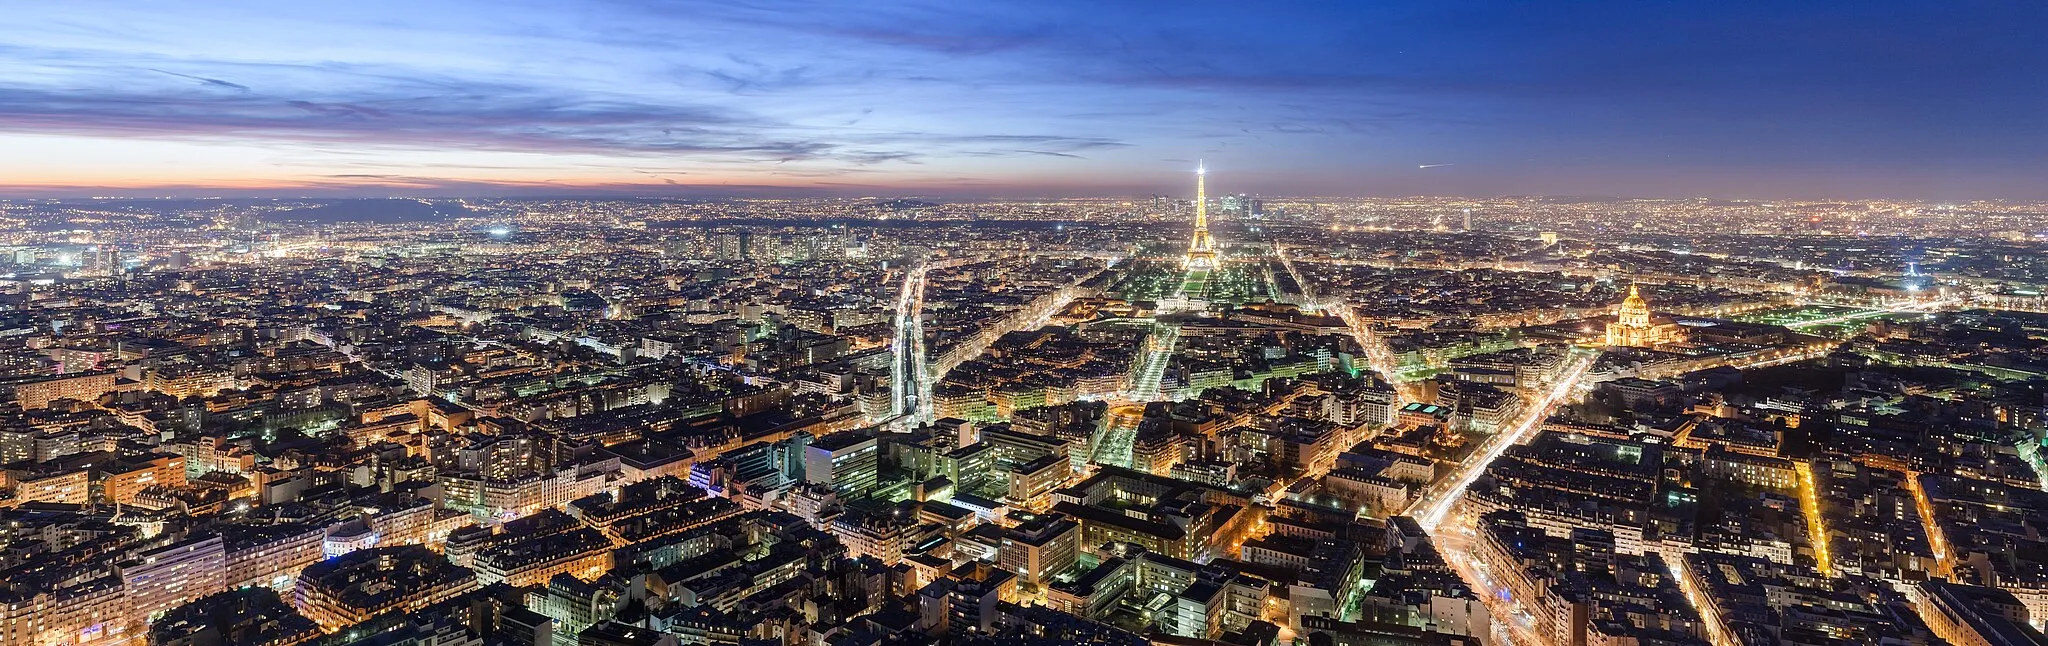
[469, 115]
[207, 81]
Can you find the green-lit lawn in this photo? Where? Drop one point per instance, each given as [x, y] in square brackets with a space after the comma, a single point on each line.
[1196, 285]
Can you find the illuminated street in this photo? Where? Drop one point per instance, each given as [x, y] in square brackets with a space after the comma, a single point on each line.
[1436, 501]
[1816, 527]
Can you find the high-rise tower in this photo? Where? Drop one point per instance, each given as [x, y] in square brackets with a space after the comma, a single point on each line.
[1202, 249]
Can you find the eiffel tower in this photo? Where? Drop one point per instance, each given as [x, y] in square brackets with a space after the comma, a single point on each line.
[1202, 249]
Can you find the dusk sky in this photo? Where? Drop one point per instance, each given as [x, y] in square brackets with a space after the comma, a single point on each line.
[1934, 100]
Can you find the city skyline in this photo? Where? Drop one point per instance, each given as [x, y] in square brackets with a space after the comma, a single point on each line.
[927, 323]
[1830, 100]
[658, 422]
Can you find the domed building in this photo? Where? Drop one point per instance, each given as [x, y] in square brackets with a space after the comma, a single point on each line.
[1634, 326]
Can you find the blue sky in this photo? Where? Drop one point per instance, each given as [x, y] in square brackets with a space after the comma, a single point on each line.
[1732, 99]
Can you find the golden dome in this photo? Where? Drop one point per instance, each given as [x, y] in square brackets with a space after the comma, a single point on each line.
[1635, 311]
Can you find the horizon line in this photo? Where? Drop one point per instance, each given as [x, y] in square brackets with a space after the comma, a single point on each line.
[824, 195]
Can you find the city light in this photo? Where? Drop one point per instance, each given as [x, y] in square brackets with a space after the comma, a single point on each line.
[900, 322]
[1437, 501]
[1816, 528]
[987, 379]
[1936, 536]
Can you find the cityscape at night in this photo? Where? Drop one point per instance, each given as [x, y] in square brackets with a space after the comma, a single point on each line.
[813, 323]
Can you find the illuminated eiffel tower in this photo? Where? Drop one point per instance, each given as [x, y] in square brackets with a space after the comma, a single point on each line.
[1202, 249]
